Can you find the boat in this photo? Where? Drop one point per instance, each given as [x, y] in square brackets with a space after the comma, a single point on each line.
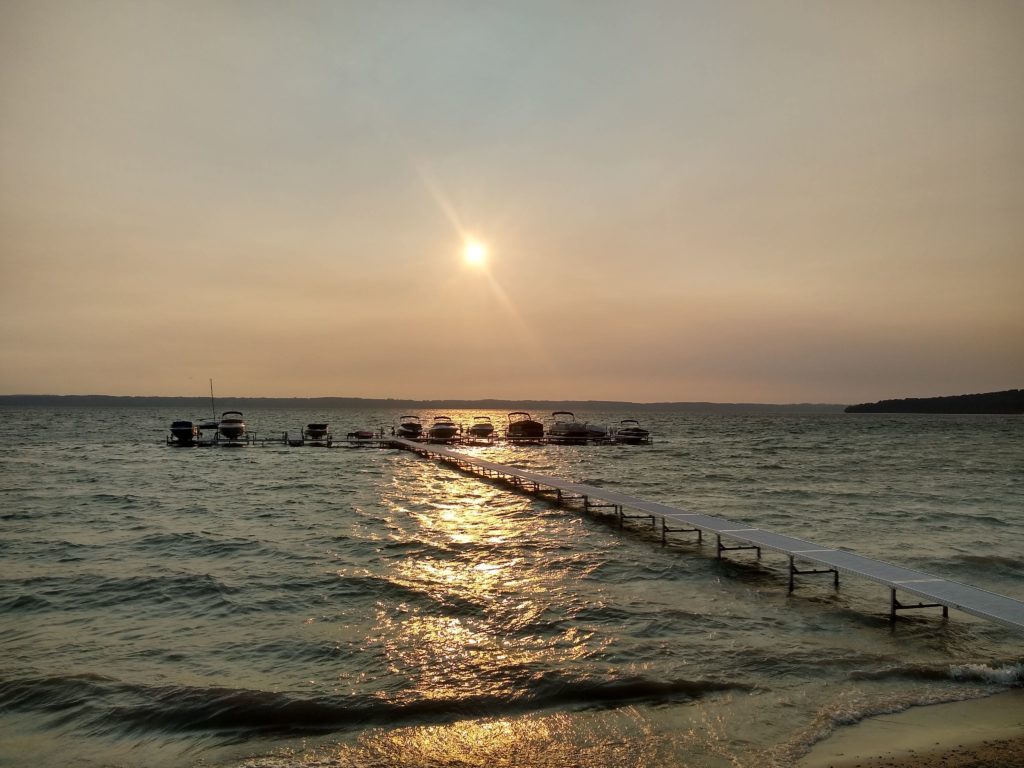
[631, 433]
[317, 433]
[566, 430]
[410, 427]
[522, 428]
[482, 428]
[443, 430]
[232, 427]
[183, 433]
[360, 438]
[596, 432]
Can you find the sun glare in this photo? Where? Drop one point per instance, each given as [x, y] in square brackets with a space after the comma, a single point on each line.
[475, 253]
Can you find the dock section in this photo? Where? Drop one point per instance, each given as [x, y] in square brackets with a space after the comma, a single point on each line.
[805, 557]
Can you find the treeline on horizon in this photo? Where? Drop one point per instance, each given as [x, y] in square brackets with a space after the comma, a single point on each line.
[1008, 401]
[202, 404]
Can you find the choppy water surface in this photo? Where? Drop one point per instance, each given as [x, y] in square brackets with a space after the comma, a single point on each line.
[273, 606]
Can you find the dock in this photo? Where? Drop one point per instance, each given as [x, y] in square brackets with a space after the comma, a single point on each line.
[805, 557]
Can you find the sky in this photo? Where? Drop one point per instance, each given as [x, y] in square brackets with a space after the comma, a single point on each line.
[768, 201]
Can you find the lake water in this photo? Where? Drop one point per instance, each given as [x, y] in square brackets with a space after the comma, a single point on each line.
[274, 607]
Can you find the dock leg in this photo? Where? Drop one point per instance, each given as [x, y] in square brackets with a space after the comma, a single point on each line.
[794, 571]
[896, 605]
[722, 548]
[623, 516]
[665, 530]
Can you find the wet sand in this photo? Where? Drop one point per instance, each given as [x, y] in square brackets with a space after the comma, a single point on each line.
[981, 733]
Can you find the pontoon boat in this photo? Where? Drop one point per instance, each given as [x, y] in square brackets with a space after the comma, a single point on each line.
[524, 429]
[566, 430]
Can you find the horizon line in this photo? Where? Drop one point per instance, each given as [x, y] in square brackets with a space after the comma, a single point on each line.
[424, 400]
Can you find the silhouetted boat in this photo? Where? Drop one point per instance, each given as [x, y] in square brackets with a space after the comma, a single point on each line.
[410, 427]
[183, 433]
[566, 430]
[232, 427]
[481, 428]
[631, 432]
[361, 434]
[522, 428]
[443, 430]
[317, 433]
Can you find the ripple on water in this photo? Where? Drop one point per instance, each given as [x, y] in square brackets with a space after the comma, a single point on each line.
[207, 597]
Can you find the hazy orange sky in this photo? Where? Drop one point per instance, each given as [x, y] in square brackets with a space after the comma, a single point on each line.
[762, 201]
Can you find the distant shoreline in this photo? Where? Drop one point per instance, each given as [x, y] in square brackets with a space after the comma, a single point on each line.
[203, 404]
[1009, 401]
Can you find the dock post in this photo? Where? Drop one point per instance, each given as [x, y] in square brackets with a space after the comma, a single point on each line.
[896, 605]
[722, 548]
[794, 571]
[665, 529]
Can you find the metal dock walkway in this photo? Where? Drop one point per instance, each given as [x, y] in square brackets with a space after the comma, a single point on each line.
[942, 593]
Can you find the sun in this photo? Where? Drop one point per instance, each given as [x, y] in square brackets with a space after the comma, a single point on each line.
[475, 253]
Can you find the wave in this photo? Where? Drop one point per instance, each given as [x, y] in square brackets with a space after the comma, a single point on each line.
[845, 713]
[103, 705]
[194, 592]
[1013, 565]
[120, 500]
[1007, 674]
[975, 569]
[24, 604]
[199, 593]
[197, 544]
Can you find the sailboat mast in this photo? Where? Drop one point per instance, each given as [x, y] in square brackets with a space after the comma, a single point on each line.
[213, 405]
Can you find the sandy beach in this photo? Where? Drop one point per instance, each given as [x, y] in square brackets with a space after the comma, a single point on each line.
[980, 733]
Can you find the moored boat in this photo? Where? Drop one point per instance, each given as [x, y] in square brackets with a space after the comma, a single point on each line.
[631, 433]
[317, 433]
[410, 427]
[482, 428]
[443, 430]
[566, 430]
[522, 428]
[232, 427]
[183, 433]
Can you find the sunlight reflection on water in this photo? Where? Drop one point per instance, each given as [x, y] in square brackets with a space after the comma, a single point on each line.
[487, 572]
